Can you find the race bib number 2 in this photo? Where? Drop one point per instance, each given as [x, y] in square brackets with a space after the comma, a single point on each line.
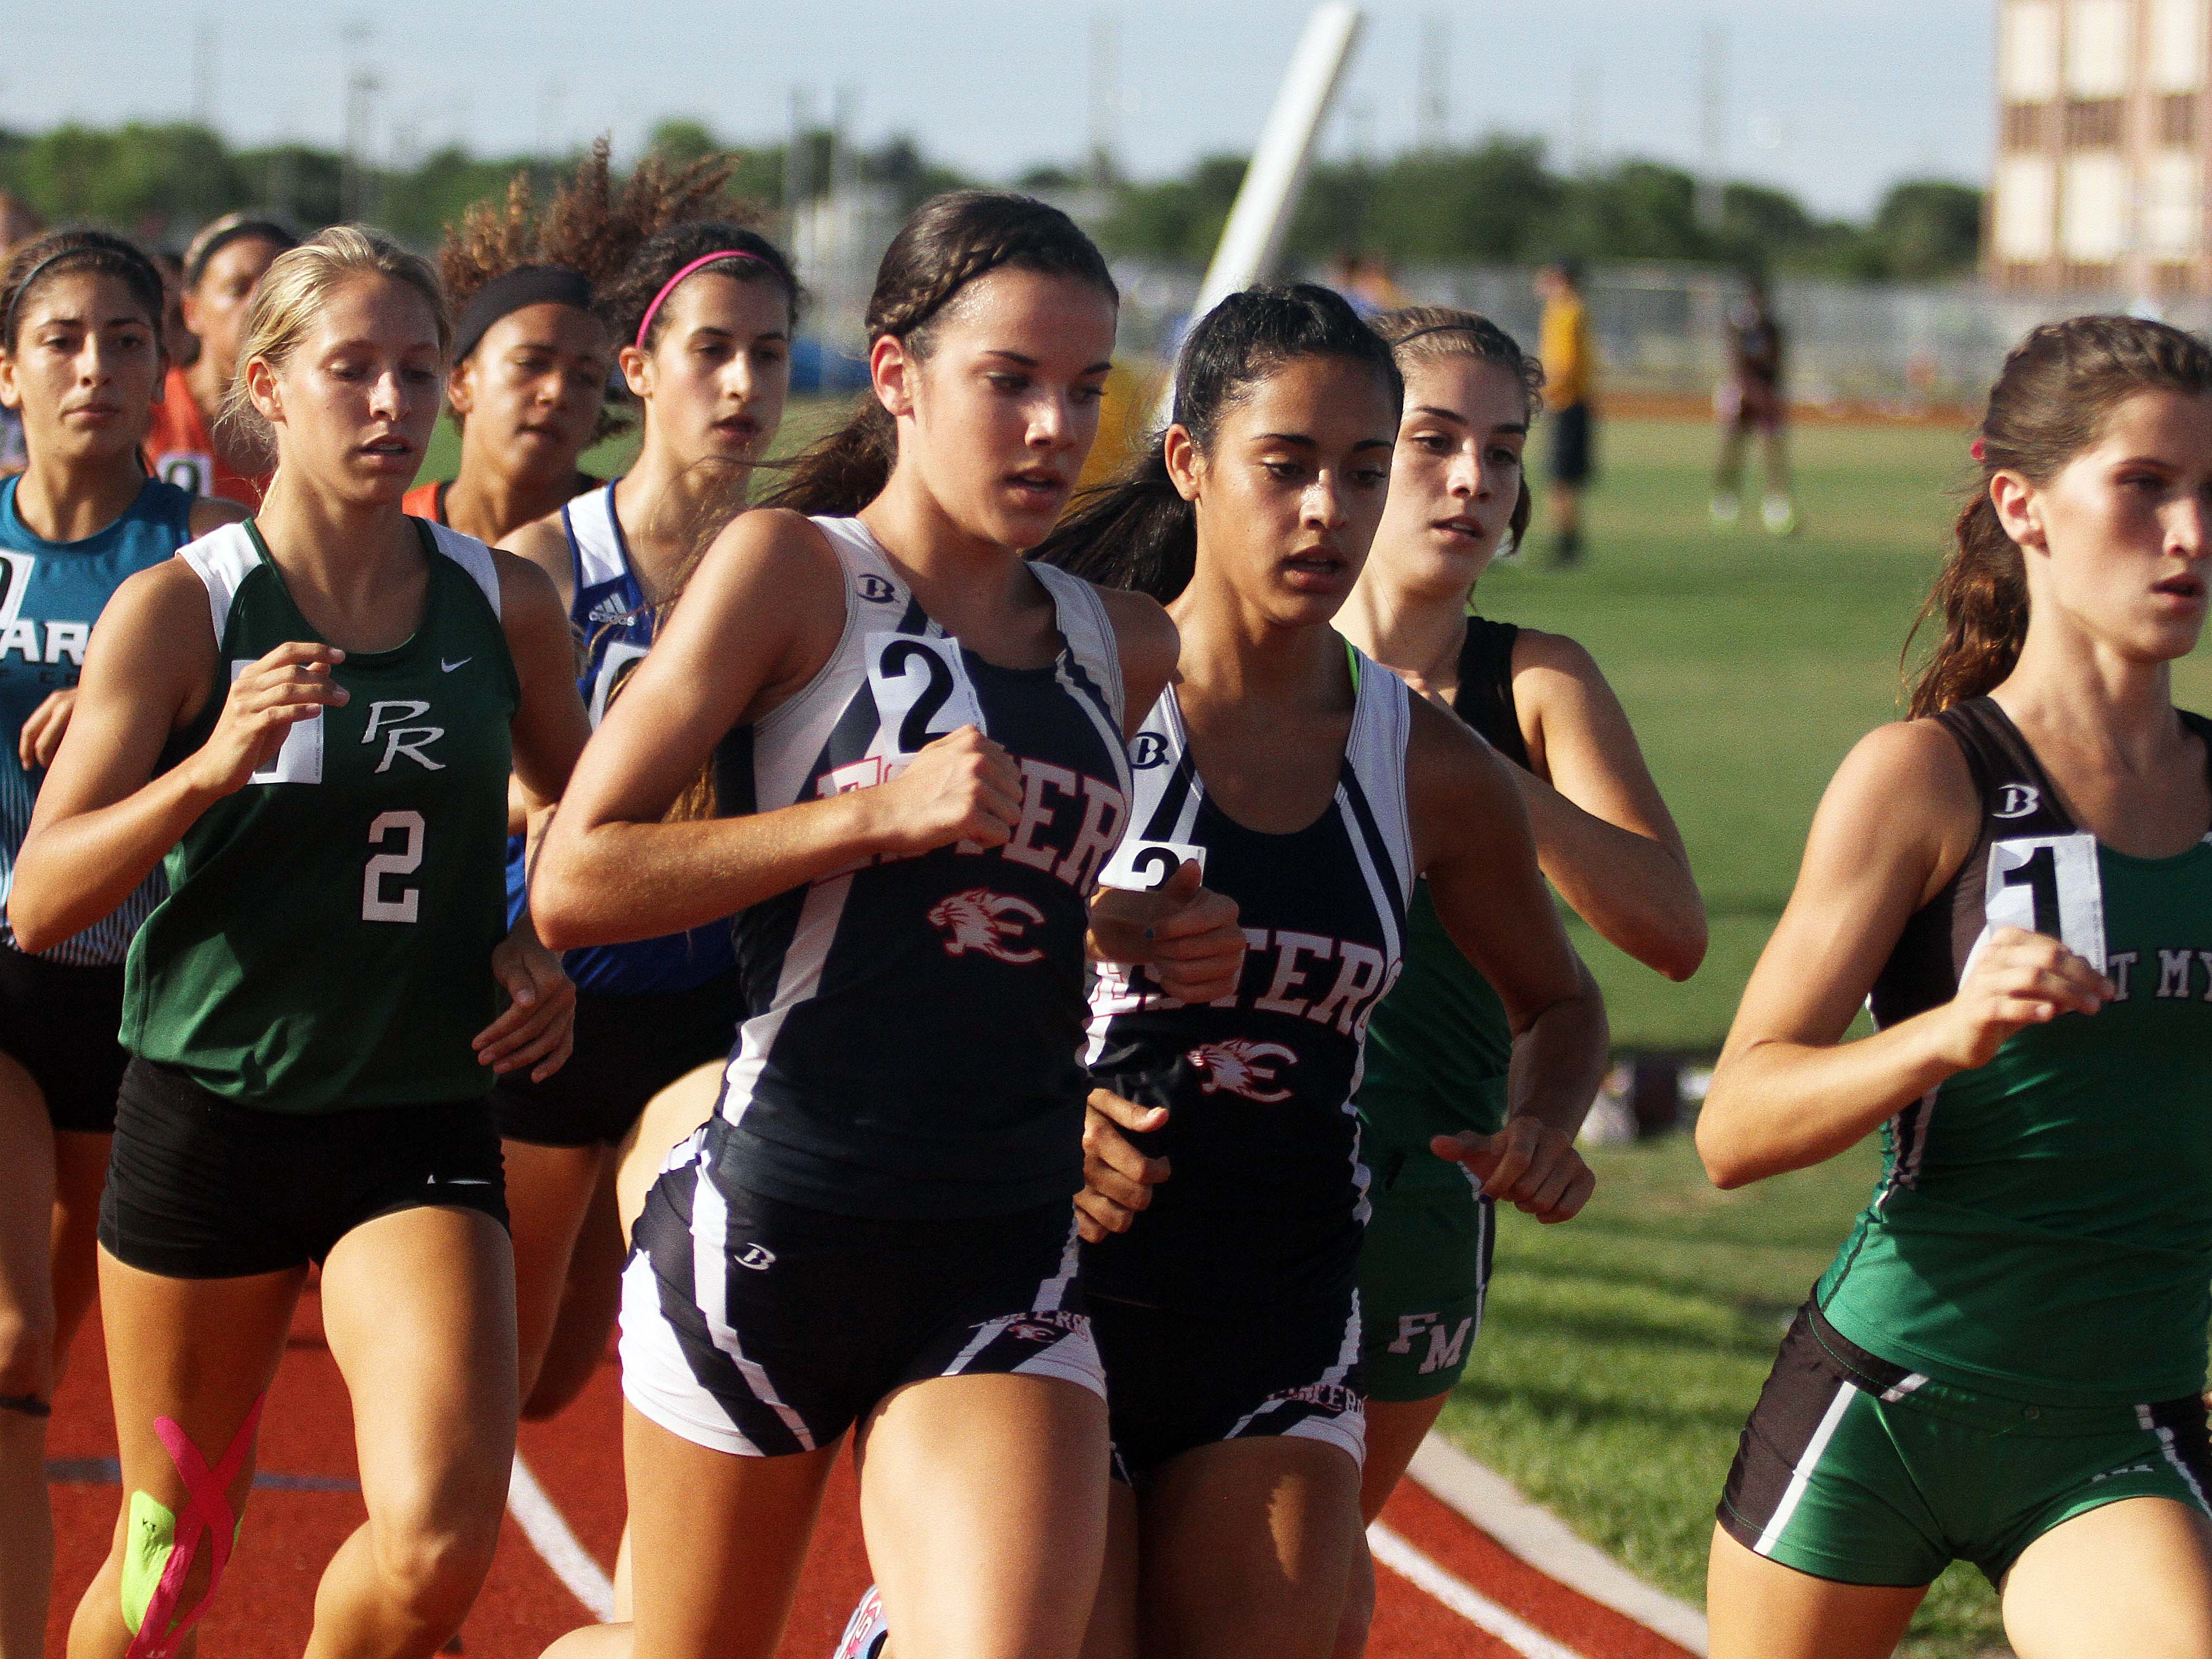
[1139, 866]
[922, 693]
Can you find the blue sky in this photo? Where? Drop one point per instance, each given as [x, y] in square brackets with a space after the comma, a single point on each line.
[1834, 99]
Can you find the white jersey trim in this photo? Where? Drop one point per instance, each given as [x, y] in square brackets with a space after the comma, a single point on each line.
[595, 538]
[473, 556]
[222, 560]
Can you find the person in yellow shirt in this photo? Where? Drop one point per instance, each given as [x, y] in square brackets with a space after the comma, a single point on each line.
[1570, 376]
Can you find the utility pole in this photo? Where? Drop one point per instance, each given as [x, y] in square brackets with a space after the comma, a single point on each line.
[356, 189]
[1583, 116]
[1433, 122]
[1713, 126]
[1105, 98]
[203, 74]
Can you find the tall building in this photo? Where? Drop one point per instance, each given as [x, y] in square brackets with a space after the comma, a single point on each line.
[2103, 142]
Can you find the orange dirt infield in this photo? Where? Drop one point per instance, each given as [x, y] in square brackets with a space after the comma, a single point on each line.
[306, 1499]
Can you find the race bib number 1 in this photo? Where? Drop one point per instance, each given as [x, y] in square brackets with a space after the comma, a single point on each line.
[2050, 884]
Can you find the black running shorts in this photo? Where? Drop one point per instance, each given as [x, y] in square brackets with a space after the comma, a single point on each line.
[758, 1327]
[628, 1049]
[59, 1022]
[199, 1186]
[1177, 1381]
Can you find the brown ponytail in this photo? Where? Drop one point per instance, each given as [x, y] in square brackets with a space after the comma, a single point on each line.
[950, 241]
[2059, 387]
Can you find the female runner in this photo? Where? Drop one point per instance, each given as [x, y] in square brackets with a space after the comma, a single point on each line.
[705, 312]
[309, 716]
[531, 355]
[873, 1230]
[1316, 789]
[187, 445]
[1440, 1049]
[79, 360]
[2005, 1363]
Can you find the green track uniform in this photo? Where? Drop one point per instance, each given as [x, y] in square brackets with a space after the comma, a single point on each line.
[326, 943]
[2014, 1331]
[1438, 1051]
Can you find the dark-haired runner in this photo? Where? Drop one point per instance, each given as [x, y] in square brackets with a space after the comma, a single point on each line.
[2005, 1364]
[915, 739]
[80, 361]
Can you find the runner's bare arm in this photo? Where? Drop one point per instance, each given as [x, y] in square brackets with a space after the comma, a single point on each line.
[1471, 834]
[1896, 823]
[763, 613]
[1603, 833]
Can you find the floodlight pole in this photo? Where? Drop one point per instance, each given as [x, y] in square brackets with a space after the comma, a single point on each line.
[1269, 195]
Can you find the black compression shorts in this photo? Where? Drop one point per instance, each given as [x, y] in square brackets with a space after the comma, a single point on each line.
[199, 1186]
[628, 1049]
[59, 1022]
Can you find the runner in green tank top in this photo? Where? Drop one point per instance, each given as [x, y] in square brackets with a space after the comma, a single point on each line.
[310, 719]
[2005, 1364]
[1440, 1051]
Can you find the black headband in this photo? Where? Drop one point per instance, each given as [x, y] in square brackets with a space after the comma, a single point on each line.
[31, 279]
[257, 230]
[509, 292]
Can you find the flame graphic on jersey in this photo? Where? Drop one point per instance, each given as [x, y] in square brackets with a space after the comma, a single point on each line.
[1242, 1066]
[981, 920]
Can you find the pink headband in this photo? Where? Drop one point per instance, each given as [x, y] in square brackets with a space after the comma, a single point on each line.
[669, 287]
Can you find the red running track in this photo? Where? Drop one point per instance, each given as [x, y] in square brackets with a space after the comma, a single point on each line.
[306, 1500]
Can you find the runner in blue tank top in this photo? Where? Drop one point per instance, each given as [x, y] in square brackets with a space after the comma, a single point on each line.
[915, 743]
[1317, 789]
[81, 362]
[699, 321]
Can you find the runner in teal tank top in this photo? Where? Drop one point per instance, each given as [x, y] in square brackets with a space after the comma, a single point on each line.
[80, 362]
[2005, 1363]
[311, 718]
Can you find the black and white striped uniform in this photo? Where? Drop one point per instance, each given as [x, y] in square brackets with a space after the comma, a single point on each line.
[883, 1193]
[1230, 1307]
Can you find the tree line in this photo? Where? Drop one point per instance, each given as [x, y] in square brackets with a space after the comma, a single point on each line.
[1498, 201]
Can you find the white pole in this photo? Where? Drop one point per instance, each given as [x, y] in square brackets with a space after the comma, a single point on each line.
[1269, 195]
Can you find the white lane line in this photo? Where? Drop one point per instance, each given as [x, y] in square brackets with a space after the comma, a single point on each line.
[1469, 1603]
[547, 1532]
[1545, 1543]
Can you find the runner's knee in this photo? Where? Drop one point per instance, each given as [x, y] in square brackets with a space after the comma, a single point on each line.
[433, 1566]
[1358, 1615]
[27, 1357]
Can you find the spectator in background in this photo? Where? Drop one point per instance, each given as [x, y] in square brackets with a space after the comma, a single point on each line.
[1569, 377]
[18, 225]
[1750, 398]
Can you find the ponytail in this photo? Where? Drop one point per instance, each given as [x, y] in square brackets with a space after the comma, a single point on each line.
[1138, 532]
[2059, 387]
[840, 473]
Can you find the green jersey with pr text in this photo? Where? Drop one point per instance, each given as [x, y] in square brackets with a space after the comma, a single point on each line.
[326, 943]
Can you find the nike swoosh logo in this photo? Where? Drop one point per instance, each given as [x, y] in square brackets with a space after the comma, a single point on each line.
[448, 667]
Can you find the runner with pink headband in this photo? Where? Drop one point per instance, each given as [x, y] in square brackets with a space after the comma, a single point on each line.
[703, 313]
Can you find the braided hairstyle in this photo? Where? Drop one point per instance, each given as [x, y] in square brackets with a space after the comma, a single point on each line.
[1139, 532]
[60, 252]
[951, 241]
[2059, 387]
[1432, 334]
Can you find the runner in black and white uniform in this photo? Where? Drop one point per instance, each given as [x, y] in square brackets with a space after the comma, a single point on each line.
[1316, 788]
[703, 314]
[914, 745]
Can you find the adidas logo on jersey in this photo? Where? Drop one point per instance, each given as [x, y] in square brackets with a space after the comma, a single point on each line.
[991, 924]
[609, 609]
[1242, 1067]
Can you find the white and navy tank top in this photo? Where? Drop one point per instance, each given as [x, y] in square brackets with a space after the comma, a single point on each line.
[54, 593]
[914, 1028]
[1268, 1197]
[614, 623]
